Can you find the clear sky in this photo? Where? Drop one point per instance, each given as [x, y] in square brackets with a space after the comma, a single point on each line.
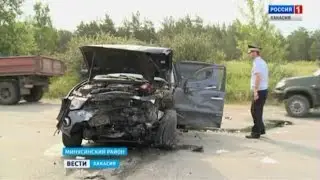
[67, 14]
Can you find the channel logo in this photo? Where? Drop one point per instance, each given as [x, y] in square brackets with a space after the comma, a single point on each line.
[285, 12]
[120, 151]
[91, 164]
[80, 154]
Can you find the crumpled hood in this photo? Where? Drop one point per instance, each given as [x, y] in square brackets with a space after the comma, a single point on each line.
[147, 61]
[298, 78]
[301, 80]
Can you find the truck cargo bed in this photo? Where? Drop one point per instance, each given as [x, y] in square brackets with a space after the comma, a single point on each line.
[31, 65]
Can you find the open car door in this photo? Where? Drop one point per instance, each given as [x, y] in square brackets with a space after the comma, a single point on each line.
[200, 94]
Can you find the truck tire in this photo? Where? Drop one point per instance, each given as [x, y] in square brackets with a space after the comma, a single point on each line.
[75, 140]
[166, 134]
[35, 94]
[297, 106]
[9, 93]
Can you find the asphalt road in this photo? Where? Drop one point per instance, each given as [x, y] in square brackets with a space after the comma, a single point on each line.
[30, 151]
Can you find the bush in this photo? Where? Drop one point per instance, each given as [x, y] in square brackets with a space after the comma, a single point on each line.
[60, 86]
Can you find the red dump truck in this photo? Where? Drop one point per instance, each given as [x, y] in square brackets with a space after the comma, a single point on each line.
[26, 77]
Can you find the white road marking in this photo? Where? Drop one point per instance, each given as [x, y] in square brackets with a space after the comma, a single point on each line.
[54, 150]
[220, 151]
[280, 132]
[268, 160]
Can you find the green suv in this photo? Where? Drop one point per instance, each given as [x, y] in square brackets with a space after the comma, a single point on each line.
[300, 94]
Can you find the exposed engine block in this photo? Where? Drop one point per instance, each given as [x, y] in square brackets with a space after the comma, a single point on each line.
[122, 113]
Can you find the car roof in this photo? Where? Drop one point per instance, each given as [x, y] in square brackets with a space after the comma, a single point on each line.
[129, 47]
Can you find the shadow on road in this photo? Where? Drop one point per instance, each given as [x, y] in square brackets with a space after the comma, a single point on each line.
[313, 116]
[29, 107]
[311, 152]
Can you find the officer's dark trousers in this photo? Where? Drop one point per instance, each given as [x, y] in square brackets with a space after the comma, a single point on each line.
[257, 112]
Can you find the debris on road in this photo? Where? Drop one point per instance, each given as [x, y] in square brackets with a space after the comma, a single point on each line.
[198, 149]
[96, 177]
[193, 148]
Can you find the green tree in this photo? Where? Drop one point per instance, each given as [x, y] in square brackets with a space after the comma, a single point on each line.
[23, 43]
[229, 42]
[93, 28]
[171, 27]
[9, 10]
[299, 44]
[142, 30]
[46, 35]
[314, 51]
[64, 37]
[256, 29]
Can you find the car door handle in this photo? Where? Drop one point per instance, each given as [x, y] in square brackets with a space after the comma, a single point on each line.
[210, 87]
[216, 98]
[314, 86]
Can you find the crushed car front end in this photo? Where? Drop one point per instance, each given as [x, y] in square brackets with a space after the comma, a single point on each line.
[107, 111]
[115, 107]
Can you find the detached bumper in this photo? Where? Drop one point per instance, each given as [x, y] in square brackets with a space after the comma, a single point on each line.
[278, 94]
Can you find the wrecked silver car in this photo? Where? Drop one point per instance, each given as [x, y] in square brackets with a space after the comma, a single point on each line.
[133, 93]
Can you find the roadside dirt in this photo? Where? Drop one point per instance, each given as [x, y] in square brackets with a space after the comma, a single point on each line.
[30, 151]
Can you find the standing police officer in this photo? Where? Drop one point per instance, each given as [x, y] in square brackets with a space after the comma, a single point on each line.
[259, 88]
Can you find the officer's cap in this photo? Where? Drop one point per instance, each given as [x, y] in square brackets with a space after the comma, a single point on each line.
[252, 48]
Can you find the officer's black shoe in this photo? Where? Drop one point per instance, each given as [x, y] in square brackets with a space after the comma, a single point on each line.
[263, 132]
[253, 136]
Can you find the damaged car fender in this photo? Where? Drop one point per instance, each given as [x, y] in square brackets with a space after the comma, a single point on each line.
[71, 114]
[73, 118]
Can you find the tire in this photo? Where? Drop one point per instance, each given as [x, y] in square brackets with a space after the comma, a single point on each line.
[75, 140]
[35, 94]
[168, 101]
[297, 106]
[9, 93]
[166, 134]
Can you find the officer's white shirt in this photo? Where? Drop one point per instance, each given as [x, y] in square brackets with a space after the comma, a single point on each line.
[261, 67]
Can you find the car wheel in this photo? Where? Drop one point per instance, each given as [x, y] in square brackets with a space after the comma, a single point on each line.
[75, 140]
[35, 94]
[297, 106]
[166, 134]
[9, 93]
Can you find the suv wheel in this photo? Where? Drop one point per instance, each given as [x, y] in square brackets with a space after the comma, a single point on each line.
[75, 140]
[166, 135]
[297, 106]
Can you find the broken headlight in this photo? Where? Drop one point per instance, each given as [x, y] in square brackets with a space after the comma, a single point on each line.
[77, 103]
